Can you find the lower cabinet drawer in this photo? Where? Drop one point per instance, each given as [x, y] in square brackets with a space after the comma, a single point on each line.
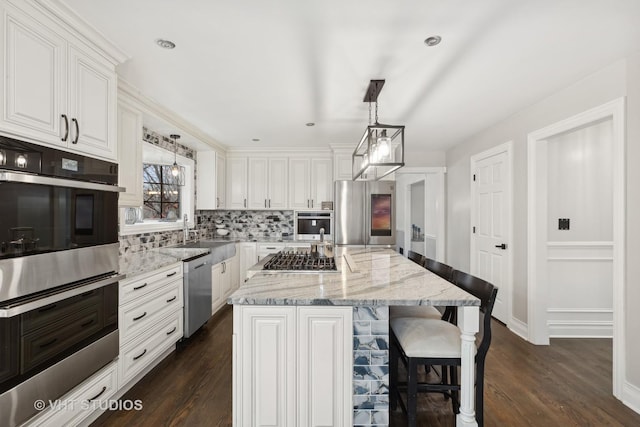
[140, 353]
[79, 403]
[141, 314]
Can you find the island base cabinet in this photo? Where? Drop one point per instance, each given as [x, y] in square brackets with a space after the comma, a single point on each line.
[292, 366]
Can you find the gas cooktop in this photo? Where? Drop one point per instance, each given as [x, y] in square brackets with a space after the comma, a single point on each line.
[300, 262]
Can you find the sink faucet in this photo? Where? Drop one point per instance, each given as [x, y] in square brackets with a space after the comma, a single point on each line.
[322, 234]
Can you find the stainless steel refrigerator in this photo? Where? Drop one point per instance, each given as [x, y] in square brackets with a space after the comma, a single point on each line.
[364, 213]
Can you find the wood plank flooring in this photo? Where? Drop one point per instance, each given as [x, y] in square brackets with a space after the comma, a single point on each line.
[565, 384]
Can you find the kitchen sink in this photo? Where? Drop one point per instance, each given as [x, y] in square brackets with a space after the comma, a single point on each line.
[220, 251]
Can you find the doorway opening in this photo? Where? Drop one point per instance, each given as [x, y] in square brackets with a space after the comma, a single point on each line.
[576, 223]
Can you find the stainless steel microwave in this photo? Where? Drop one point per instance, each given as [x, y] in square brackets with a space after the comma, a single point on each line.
[309, 224]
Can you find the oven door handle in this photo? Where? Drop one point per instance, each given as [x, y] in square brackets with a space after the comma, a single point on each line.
[12, 310]
[25, 178]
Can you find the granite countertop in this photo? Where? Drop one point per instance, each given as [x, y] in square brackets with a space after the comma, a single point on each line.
[370, 277]
[143, 262]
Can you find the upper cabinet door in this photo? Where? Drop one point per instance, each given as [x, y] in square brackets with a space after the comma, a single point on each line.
[237, 183]
[278, 185]
[34, 71]
[258, 183]
[299, 183]
[220, 181]
[58, 91]
[92, 103]
[130, 155]
[321, 182]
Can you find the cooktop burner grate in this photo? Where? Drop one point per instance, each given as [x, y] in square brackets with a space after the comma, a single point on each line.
[300, 262]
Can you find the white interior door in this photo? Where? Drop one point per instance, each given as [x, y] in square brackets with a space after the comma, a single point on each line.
[491, 231]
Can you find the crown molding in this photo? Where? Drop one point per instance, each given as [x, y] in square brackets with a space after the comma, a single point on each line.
[80, 28]
[132, 94]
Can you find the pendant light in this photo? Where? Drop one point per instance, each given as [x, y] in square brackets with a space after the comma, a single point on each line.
[381, 148]
[177, 171]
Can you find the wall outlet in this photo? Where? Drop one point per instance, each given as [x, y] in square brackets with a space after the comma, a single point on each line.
[563, 223]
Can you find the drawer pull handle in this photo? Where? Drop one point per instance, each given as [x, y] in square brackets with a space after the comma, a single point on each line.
[85, 324]
[172, 274]
[47, 308]
[140, 317]
[47, 344]
[135, 288]
[140, 355]
[172, 299]
[201, 265]
[104, 388]
[172, 331]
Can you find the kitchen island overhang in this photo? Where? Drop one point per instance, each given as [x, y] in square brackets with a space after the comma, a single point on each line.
[369, 281]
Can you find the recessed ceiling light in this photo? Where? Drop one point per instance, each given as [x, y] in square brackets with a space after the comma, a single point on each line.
[165, 44]
[432, 41]
[310, 124]
[256, 139]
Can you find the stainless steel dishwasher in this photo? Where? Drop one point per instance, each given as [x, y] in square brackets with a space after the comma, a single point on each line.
[197, 292]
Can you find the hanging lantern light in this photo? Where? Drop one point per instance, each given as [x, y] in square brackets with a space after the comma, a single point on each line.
[381, 148]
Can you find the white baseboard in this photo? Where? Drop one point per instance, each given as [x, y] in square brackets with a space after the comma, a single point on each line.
[519, 328]
[631, 396]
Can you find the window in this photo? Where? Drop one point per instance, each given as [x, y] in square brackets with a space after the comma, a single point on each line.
[164, 203]
[161, 193]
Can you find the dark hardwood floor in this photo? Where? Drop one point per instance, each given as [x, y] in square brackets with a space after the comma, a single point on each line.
[565, 384]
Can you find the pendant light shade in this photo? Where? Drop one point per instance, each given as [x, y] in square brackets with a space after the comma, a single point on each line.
[381, 148]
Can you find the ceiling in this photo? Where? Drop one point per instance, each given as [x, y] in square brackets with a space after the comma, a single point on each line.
[257, 69]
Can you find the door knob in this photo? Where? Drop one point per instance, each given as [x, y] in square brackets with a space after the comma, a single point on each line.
[502, 246]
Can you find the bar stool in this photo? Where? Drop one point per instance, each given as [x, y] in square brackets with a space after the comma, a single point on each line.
[422, 341]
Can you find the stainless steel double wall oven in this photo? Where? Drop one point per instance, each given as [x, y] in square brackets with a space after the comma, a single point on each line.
[58, 273]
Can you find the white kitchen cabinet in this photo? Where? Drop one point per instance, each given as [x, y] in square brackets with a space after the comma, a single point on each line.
[57, 91]
[300, 183]
[248, 257]
[129, 154]
[92, 104]
[310, 183]
[221, 175]
[81, 401]
[211, 180]
[236, 183]
[150, 319]
[265, 249]
[342, 164]
[223, 282]
[217, 294]
[292, 365]
[325, 366]
[234, 268]
[267, 183]
[321, 182]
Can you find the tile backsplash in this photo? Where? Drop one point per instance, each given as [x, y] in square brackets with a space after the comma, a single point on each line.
[246, 225]
[242, 225]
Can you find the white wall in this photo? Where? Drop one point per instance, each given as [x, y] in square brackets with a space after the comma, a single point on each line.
[619, 79]
[416, 156]
[592, 91]
[632, 290]
[580, 181]
[417, 205]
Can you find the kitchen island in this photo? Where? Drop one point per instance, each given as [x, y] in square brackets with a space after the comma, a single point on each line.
[313, 348]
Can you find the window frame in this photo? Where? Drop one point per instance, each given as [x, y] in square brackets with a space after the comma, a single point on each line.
[158, 155]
